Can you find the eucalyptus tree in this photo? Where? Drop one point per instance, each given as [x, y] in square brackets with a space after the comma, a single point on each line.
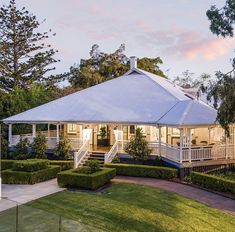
[223, 90]
[101, 66]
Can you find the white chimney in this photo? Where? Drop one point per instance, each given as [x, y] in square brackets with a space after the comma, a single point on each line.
[133, 62]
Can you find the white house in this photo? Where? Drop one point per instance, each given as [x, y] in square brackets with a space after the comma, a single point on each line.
[103, 118]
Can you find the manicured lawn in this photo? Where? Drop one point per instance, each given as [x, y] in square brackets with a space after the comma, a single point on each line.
[129, 207]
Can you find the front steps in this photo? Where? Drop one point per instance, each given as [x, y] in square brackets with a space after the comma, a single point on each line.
[94, 156]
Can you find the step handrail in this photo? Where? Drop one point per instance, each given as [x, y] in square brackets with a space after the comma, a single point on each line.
[81, 153]
[109, 156]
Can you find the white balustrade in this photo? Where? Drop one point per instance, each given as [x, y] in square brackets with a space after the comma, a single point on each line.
[75, 143]
[51, 142]
[154, 146]
[16, 138]
[170, 152]
[81, 154]
[112, 153]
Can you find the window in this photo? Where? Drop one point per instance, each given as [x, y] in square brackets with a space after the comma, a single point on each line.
[72, 128]
[132, 129]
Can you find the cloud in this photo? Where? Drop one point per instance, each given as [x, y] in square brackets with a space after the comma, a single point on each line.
[211, 49]
[101, 23]
[186, 44]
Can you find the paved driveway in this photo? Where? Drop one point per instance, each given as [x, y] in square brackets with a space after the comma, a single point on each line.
[13, 194]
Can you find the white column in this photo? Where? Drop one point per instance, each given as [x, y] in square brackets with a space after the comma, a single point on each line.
[34, 131]
[226, 146]
[189, 144]
[122, 142]
[209, 139]
[57, 133]
[159, 140]
[48, 130]
[10, 134]
[181, 144]
[167, 135]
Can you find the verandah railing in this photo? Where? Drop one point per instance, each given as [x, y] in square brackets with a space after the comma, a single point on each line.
[75, 143]
[109, 156]
[223, 151]
[196, 153]
[81, 154]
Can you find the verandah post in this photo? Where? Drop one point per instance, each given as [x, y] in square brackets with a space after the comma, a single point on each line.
[159, 140]
[181, 145]
[226, 146]
[48, 130]
[10, 134]
[189, 145]
[34, 131]
[57, 133]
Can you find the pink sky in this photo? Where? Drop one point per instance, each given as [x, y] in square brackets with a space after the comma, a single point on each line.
[175, 30]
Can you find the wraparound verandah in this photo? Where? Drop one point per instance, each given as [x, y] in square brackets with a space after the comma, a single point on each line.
[180, 145]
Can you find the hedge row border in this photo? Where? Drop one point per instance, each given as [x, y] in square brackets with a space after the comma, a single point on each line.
[143, 170]
[212, 182]
[17, 177]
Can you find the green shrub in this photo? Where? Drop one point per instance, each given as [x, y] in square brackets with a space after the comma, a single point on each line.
[93, 181]
[7, 164]
[30, 165]
[116, 159]
[94, 165]
[21, 151]
[64, 164]
[213, 182]
[138, 147]
[144, 171]
[84, 169]
[4, 147]
[63, 148]
[39, 146]
[18, 177]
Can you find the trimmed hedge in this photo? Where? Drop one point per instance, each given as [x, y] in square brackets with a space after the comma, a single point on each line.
[7, 164]
[64, 164]
[92, 181]
[17, 177]
[213, 182]
[144, 170]
[30, 165]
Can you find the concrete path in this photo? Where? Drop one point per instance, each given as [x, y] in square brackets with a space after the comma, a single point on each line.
[20, 194]
[208, 198]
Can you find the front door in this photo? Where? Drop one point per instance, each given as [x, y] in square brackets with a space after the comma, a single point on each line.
[103, 136]
[87, 134]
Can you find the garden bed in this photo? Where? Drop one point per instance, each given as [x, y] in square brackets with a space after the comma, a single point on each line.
[64, 164]
[71, 178]
[213, 182]
[10, 176]
[143, 170]
[6, 164]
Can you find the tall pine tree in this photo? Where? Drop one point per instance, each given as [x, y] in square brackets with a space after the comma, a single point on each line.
[25, 58]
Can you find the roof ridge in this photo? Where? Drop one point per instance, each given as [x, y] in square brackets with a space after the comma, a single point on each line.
[167, 112]
[186, 112]
[162, 87]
